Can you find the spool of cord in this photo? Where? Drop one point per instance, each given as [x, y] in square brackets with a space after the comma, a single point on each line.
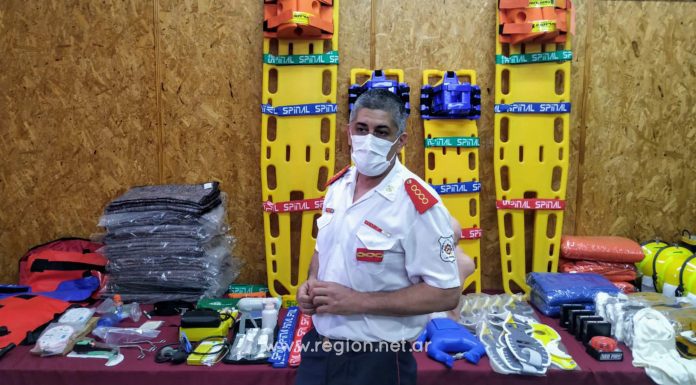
[603, 344]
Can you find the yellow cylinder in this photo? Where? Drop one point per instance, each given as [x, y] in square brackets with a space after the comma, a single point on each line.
[665, 257]
[690, 287]
[678, 270]
[645, 267]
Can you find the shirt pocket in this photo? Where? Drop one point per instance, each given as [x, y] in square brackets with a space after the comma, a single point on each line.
[324, 220]
[373, 250]
[324, 236]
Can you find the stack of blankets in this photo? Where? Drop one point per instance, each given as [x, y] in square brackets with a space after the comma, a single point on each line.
[612, 257]
[548, 291]
[168, 242]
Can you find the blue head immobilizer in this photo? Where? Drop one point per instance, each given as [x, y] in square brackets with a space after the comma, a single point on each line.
[380, 80]
[451, 99]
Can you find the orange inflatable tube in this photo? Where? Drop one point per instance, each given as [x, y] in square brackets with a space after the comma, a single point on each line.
[625, 287]
[613, 271]
[606, 249]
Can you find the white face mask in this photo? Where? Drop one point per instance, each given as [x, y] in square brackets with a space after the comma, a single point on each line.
[370, 154]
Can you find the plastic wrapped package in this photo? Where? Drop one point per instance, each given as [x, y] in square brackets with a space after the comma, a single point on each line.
[680, 315]
[164, 225]
[509, 328]
[116, 336]
[197, 233]
[215, 218]
[550, 290]
[57, 338]
[206, 264]
[228, 273]
[519, 344]
[477, 307]
[178, 246]
[613, 271]
[192, 198]
[173, 247]
[173, 286]
[551, 310]
[78, 316]
[606, 249]
[251, 345]
[149, 246]
[165, 263]
[167, 243]
[620, 309]
[608, 306]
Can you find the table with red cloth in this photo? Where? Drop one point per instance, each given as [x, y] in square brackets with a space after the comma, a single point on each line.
[21, 367]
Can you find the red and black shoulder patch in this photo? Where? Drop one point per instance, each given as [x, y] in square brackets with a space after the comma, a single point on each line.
[421, 197]
[337, 176]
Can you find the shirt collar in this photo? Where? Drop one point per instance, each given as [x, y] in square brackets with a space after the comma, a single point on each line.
[388, 187]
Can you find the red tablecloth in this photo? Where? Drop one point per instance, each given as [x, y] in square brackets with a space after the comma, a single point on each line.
[20, 367]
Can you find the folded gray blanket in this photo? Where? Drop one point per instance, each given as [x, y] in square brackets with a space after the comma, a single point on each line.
[193, 198]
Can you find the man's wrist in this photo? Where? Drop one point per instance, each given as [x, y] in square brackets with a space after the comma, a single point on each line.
[362, 300]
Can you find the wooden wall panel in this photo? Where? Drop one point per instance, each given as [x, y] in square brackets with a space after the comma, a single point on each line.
[211, 69]
[76, 116]
[355, 52]
[454, 35]
[211, 60]
[639, 174]
[583, 10]
[80, 109]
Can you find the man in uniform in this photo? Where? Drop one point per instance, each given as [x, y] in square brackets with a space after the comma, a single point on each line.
[385, 258]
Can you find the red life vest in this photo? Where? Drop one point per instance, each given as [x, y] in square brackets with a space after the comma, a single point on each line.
[23, 314]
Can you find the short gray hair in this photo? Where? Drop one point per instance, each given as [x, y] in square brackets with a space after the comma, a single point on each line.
[383, 100]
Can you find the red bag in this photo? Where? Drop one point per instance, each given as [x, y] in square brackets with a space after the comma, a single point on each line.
[45, 266]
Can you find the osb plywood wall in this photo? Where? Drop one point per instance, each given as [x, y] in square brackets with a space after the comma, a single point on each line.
[98, 96]
[638, 170]
[78, 116]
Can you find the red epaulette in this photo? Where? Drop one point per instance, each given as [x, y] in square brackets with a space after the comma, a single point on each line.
[421, 197]
[337, 176]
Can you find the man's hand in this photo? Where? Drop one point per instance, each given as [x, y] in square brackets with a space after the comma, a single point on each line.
[333, 298]
[305, 298]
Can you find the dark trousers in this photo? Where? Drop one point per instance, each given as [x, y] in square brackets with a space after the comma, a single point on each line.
[338, 363]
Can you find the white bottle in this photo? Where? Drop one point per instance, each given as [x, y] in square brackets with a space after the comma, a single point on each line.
[269, 316]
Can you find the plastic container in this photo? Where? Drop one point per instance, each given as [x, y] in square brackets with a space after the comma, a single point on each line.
[269, 316]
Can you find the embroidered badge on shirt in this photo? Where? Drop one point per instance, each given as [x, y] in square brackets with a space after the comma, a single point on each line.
[447, 249]
[422, 199]
[367, 255]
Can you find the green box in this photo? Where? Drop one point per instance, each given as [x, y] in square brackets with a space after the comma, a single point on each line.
[217, 303]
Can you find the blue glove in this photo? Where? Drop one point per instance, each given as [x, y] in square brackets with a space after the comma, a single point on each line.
[446, 336]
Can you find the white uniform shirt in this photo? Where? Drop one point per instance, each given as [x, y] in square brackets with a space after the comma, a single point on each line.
[415, 248]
